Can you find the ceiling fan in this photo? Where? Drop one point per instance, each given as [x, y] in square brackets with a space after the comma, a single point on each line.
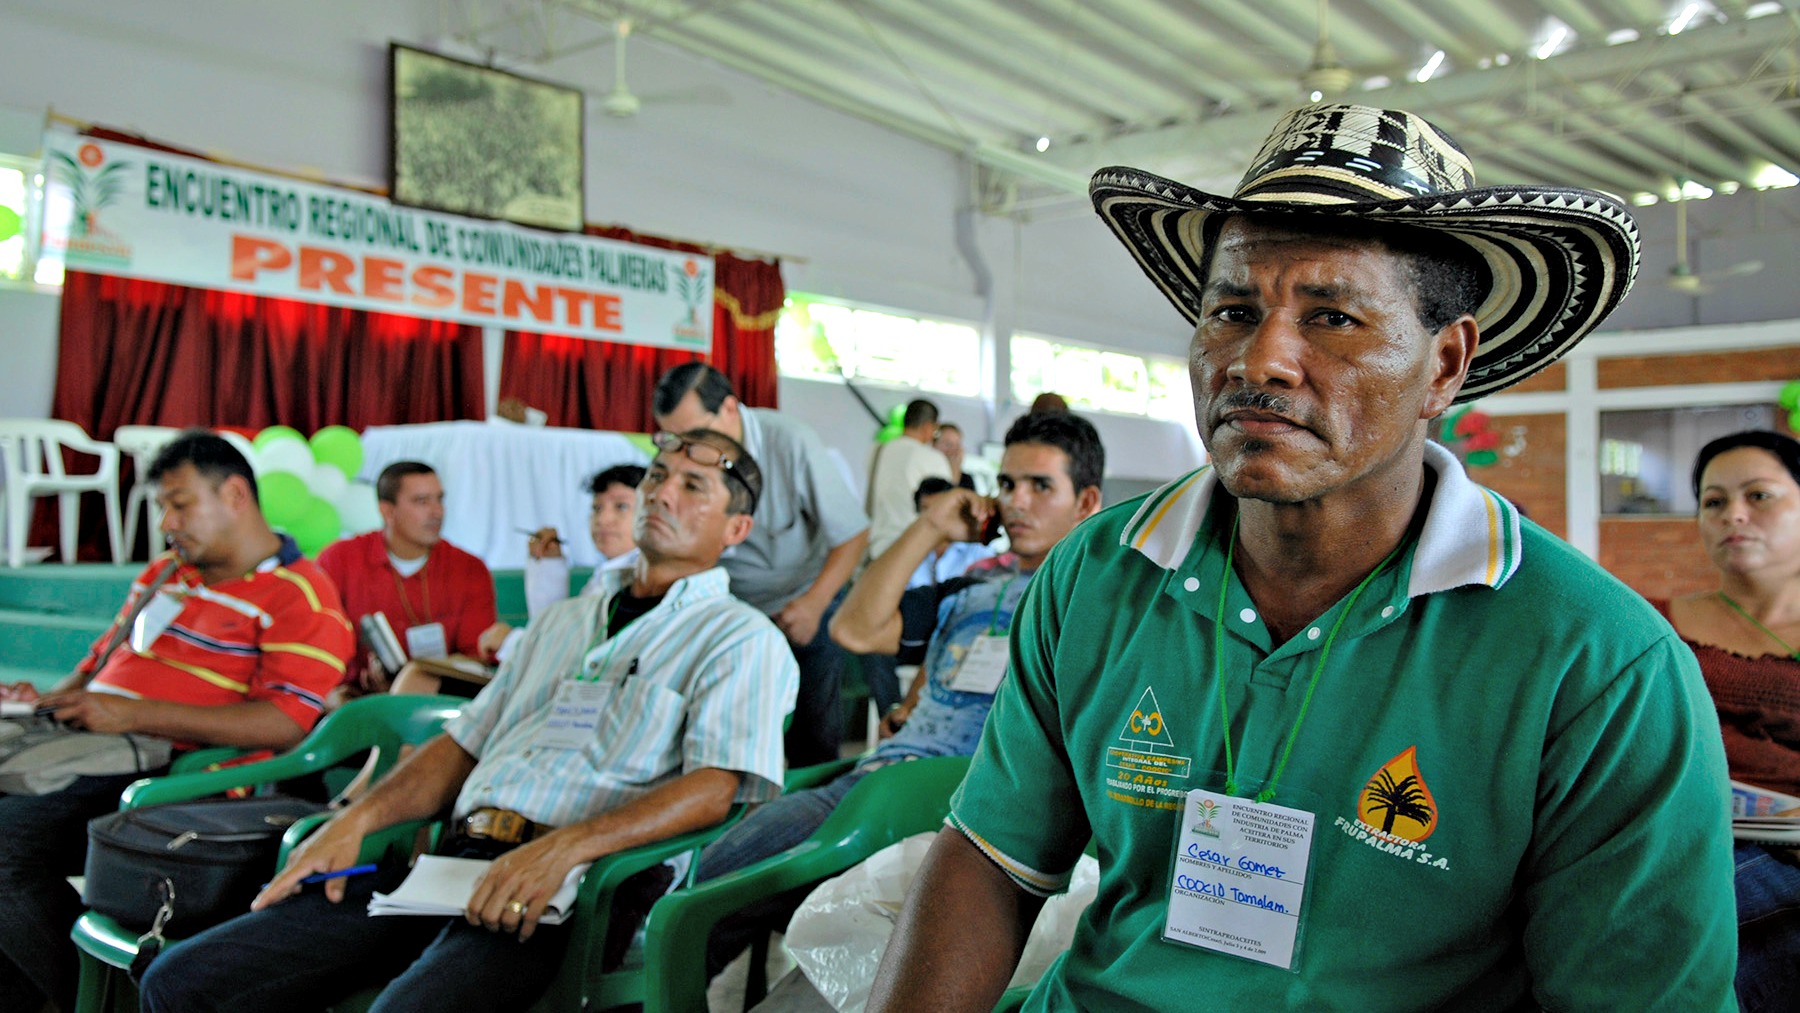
[1682, 276]
[1325, 76]
[622, 103]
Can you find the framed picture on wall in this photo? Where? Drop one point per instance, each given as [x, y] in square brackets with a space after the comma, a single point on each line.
[474, 140]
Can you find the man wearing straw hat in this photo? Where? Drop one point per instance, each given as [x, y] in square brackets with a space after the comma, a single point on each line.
[1345, 730]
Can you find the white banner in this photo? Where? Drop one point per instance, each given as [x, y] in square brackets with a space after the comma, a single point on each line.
[120, 209]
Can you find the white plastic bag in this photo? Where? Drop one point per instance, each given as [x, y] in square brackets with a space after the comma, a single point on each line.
[838, 935]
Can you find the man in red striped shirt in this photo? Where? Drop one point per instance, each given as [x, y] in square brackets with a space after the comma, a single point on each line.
[238, 644]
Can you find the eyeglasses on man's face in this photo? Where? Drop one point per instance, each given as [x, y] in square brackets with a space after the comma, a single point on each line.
[704, 454]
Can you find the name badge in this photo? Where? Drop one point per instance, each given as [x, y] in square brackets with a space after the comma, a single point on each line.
[427, 640]
[983, 666]
[155, 619]
[1240, 877]
[574, 715]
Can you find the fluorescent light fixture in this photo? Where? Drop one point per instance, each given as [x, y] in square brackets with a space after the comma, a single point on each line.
[1430, 68]
[1502, 59]
[1773, 177]
[1762, 10]
[1043, 144]
[1643, 200]
[1727, 187]
[1684, 19]
[1378, 81]
[1317, 95]
[1690, 190]
[1557, 36]
[1620, 36]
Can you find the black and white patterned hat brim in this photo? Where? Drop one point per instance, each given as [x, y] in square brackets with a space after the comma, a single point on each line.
[1560, 259]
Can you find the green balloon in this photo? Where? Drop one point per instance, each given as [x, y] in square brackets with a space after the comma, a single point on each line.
[896, 422]
[1794, 421]
[316, 528]
[284, 497]
[1483, 459]
[340, 447]
[1790, 395]
[10, 223]
[276, 433]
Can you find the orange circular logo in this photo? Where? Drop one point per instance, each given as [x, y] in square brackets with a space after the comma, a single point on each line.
[91, 155]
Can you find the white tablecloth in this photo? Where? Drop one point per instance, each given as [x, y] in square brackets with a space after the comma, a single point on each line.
[500, 477]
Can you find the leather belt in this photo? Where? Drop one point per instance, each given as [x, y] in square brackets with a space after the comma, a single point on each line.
[501, 825]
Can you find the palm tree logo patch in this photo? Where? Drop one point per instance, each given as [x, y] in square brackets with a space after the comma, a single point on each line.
[1397, 801]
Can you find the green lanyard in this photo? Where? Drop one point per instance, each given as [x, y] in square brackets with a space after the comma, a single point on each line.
[999, 603]
[1268, 792]
[1758, 624]
[612, 643]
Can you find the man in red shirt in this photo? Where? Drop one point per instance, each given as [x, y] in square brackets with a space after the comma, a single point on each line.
[238, 645]
[437, 597]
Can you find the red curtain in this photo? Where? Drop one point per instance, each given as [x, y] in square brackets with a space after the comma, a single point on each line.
[147, 353]
[605, 385]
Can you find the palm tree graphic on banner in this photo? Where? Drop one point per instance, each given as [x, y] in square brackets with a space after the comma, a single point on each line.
[89, 193]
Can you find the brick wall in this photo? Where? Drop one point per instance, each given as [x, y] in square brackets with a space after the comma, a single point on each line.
[1659, 557]
[1714, 367]
[1534, 478]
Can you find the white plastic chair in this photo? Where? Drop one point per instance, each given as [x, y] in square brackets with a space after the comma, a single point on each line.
[142, 443]
[32, 449]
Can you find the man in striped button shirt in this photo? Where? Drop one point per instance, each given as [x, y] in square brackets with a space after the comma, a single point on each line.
[676, 692]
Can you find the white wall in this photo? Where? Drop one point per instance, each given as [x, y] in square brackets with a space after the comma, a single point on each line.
[856, 211]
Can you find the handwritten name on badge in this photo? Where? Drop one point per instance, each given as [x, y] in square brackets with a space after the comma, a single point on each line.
[1239, 878]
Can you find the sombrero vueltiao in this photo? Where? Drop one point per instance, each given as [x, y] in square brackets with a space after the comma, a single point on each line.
[1559, 258]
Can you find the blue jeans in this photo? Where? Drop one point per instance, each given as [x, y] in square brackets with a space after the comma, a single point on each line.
[42, 843]
[1768, 902]
[770, 830]
[306, 953]
[817, 730]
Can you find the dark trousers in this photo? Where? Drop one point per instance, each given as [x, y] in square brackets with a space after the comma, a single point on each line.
[817, 730]
[1768, 902]
[306, 952]
[43, 841]
[771, 829]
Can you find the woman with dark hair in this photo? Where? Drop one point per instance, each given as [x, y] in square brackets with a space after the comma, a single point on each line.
[1746, 635]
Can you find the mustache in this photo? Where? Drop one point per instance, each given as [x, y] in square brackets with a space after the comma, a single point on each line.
[1256, 401]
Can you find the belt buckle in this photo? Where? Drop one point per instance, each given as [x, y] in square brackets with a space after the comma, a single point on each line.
[501, 825]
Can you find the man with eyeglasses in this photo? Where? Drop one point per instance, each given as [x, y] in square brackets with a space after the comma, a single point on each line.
[674, 693]
[810, 535]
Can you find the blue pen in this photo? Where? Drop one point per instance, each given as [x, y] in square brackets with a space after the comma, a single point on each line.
[354, 870]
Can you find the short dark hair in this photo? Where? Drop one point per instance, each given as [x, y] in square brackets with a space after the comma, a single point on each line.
[627, 475]
[1448, 277]
[702, 379]
[748, 489]
[1785, 448]
[1069, 433]
[210, 454]
[387, 484]
[918, 412]
[931, 486]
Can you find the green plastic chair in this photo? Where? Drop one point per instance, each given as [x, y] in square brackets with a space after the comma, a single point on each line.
[890, 804]
[582, 984]
[383, 723]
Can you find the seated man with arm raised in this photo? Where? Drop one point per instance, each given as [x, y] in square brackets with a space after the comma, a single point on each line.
[1049, 482]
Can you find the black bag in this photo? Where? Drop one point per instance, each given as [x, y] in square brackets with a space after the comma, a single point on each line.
[206, 858]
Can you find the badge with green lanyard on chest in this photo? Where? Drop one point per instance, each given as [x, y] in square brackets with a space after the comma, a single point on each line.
[983, 665]
[574, 719]
[1238, 883]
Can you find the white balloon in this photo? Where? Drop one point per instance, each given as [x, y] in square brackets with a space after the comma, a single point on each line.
[327, 482]
[357, 509]
[285, 455]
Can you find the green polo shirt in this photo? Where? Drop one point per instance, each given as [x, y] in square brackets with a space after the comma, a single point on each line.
[1565, 842]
